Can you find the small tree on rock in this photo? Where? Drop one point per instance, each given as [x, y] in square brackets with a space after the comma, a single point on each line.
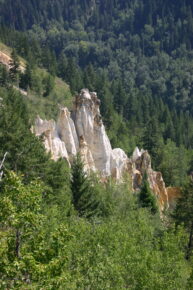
[146, 197]
[14, 67]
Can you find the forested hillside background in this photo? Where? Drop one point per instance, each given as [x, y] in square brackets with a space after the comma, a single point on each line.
[60, 229]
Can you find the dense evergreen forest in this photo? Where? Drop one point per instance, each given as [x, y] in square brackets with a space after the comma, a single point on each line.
[59, 228]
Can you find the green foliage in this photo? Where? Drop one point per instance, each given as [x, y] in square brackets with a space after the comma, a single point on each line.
[20, 204]
[20, 218]
[26, 78]
[183, 213]
[58, 194]
[130, 250]
[84, 201]
[146, 197]
[48, 85]
[4, 76]
[126, 247]
[26, 154]
[14, 67]
[173, 163]
[73, 76]
[151, 140]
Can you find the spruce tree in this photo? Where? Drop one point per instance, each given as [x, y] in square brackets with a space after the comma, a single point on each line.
[26, 154]
[14, 67]
[183, 213]
[62, 66]
[83, 198]
[150, 140]
[73, 76]
[4, 76]
[119, 96]
[26, 78]
[48, 85]
[146, 197]
[90, 77]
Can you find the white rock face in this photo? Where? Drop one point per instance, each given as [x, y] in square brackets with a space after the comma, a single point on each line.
[136, 154]
[52, 142]
[83, 131]
[91, 131]
[66, 130]
[119, 163]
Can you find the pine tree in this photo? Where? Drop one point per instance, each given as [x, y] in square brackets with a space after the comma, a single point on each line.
[151, 140]
[4, 76]
[57, 180]
[119, 96]
[82, 190]
[146, 197]
[26, 154]
[183, 214]
[169, 132]
[73, 76]
[62, 66]
[26, 78]
[90, 77]
[14, 67]
[48, 85]
[49, 61]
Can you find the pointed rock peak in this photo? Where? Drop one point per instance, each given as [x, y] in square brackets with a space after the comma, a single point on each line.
[87, 98]
[64, 112]
[43, 125]
[38, 120]
[85, 94]
[136, 154]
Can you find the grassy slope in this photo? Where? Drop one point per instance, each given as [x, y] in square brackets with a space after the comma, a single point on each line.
[7, 50]
[46, 107]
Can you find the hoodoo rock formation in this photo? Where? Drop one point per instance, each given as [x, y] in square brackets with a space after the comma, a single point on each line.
[83, 131]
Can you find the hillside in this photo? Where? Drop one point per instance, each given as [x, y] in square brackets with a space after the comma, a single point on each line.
[133, 53]
[38, 104]
[60, 228]
[146, 43]
[82, 205]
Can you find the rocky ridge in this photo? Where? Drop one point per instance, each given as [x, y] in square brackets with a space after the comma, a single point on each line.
[83, 131]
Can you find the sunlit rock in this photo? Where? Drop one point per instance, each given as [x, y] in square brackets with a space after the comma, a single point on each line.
[82, 131]
[66, 131]
[52, 142]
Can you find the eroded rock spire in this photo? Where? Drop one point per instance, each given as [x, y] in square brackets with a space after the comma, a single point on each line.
[82, 130]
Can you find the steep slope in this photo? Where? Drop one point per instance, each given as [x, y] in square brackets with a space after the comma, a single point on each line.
[35, 99]
[5, 57]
